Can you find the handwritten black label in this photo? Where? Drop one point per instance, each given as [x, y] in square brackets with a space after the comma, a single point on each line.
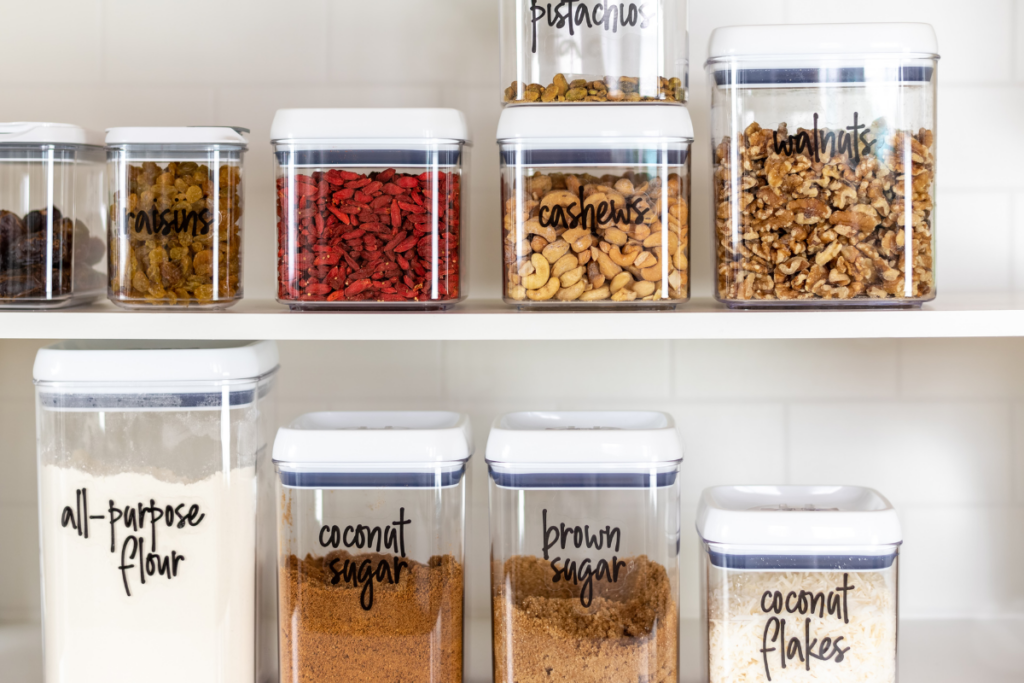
[166, 222]
[815, 142]
[573, 15]
[584, 572]
[594, 215]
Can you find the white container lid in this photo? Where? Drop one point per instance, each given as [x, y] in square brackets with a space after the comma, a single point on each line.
[375, 439]
[795, 517]
[595, 121]
[177, 135]
[36, 133]
[313, 125]
[823, 40]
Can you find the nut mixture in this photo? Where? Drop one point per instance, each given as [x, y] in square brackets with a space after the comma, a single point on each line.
[168, 232]
[580, 238]
[608, 89]
[833, 228]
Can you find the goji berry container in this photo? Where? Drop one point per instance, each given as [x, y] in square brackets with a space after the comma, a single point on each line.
[824, 164]
[800, 583]
[371, 527]
[595, 206]
[572, 51]
[52, 249]
[176, 216]
[369, 207]
[585, 538]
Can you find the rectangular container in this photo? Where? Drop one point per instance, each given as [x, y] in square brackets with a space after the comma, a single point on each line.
[824, 164]
[568, 51]
[369, 207]
[595, 206]
[800, 584]
[176, 216]
[585, 547]
[371, 528]
[51, 215]
[148, 459]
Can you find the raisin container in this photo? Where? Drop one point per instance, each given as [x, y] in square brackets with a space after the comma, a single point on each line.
[148, 457]
[371, 530]
[824, 164]
[176, 216]
[369, 207]
[52, 252]
[570, 51]
[585, 539]
[595, 206]
[800, 584]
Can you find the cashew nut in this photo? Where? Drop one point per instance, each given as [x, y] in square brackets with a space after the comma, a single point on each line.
[652, 273]
[518, 293]
[555, 250]
[615, 236]
[564, 265]
[644, 288]
[620, 259]
[571, 293]
[596, 294]
[620, 281]
[624, 295]
[545, 292]
[533, 227]
[573, 276]
[608, 268]
[539, 278]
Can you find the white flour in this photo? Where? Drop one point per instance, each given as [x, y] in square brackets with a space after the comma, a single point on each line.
[197, 627]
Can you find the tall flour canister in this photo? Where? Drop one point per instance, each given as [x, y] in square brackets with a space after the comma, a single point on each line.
[371, 525]
[585, 547]
[800, 584]
[147, 461]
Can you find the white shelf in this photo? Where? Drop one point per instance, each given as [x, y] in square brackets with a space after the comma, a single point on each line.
[976, 315]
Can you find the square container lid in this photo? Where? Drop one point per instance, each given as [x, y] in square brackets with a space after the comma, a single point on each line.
[37, 133]
[369, 125]
[809, 41]
[795, 517]
[606, 122]
[218, 136]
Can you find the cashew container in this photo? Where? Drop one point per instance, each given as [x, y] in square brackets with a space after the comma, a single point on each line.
[585, 541]
[52, 248]
[800, 583]
[824, 164]
[176, 216]
[369, 207]
[595, 206]
[576, 51]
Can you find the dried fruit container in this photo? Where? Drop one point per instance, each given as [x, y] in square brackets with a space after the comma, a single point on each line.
[595, 206]
[51, 215]
[800, 583]
[149, 456]
[585, 546]
[369, 207]
[824, 164]
[371, 526]
[572, 51]
[176, 216]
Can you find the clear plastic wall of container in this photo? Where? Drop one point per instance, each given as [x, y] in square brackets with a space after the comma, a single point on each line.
[582, 51]
[800, 584]
[585, 547]
[595, 206]
[148, 457]
[369, 207]
[51, 215]
[176, 216]
[371, 525]
[824, 164]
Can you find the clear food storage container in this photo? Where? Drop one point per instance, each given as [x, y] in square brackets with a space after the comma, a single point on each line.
[581, 51]
[148, 457]
[176, 216]
[371, 526]
[824, 164]
[585, 547]
[369, 207]
[800, 583]
[595, 206]
[51, 215]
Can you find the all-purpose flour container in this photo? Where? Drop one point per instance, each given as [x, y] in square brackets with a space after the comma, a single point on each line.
[800, 584]
[371, 525]
[147, 459]
[585, 547]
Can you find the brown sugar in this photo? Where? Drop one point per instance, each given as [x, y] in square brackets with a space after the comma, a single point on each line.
[542, 631]
[412, 631]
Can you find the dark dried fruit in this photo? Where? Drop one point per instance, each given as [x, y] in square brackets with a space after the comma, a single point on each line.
[26, 248]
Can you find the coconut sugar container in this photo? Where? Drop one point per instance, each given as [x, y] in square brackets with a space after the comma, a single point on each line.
[371, 526]
[148, 456]
[585, 546]
[800, 583]
[824, 164]
[595, 206]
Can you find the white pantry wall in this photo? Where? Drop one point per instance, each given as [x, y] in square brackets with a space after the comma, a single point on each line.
[936, 425]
